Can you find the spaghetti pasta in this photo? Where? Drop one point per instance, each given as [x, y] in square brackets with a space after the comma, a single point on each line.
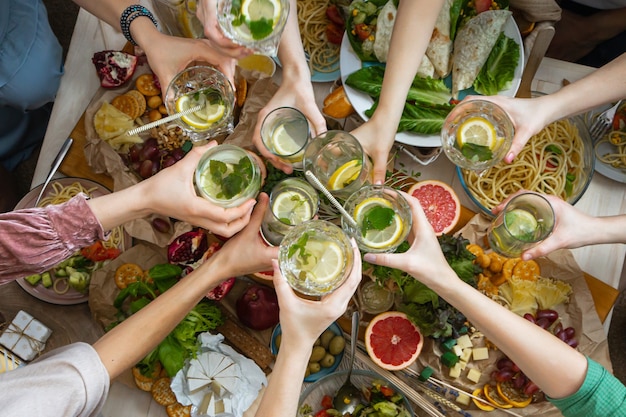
[312, 20]
[552, 162]
[616, 158]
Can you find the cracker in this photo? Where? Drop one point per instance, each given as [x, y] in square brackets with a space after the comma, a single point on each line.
[178, 410]
[143, 382]
[127, 104]
[141, 100]
[162, 393]
[147, 86]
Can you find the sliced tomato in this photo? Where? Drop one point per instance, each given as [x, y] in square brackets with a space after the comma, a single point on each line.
[327, 402]
[322, 413]
[334, 33]
[97, 252]
[482, 5]
[334, 15]
[363, 31]
[619, 120]
[386, 391]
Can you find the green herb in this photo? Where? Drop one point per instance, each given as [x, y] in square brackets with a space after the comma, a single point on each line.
[217, 169]
[285, 220]
[569, 184]
[475, 152]
[232, 185]
[377, 218]
[554, 149]
[300, 246]
[260, 29]
[234, 182]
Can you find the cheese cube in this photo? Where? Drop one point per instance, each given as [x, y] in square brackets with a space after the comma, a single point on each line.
[473, 375]
[463, 399]
[458, 350]
[463, 365]
[466, 354]
[481, 353]
[464, 341]
[455, 371]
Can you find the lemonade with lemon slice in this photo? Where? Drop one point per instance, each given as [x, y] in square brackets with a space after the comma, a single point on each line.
[526, 220]
[315, 257]
[256, 24]
[292, 201]
[285, 133]
[212, 108]
[383, 218]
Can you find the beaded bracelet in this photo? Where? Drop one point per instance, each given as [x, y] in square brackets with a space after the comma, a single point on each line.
[130, 14]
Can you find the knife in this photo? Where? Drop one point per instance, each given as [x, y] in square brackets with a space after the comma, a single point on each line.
[55, 165]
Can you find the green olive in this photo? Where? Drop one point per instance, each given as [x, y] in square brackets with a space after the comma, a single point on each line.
[326, 337]
[317, 354]
[307, 372]
[318, 342]
[314, 367]
[277, 340]
[336, 345]
[327, 361]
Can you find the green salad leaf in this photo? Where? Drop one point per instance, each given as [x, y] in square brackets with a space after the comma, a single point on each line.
[499, 70]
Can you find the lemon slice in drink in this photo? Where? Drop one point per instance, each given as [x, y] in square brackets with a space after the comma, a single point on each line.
[521, 224]
[255, 10]
[203, 118]
[344, 175]
[291, 207]
[378, 239]
[478, 131]
[326, 262]
[283, 142]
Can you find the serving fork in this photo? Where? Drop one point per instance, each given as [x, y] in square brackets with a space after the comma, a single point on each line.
[602, 123]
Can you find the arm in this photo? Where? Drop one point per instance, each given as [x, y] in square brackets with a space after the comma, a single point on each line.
[574, 229]
[167, 55]
[302, 321]
[529, 116]
[412, 32]
[559, 373]
[245, 253]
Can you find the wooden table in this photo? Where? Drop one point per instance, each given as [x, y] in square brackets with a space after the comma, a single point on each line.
[78, 86]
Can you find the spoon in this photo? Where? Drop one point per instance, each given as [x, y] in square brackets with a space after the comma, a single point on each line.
[348, 396]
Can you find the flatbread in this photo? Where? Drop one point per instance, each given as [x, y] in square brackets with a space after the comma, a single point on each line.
[426, 68]
[440, 45]
[472, 46]
[384, 29]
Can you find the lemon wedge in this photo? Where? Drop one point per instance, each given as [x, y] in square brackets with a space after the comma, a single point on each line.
[521, 224]
[378, 239]
[478, 131]
[283, 143]
[255, 10]
[326, 262]
[292, 206]
[344, 175]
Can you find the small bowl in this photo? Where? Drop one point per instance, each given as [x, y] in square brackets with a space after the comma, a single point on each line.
[580, 186]
[329, 385]
[324, 371]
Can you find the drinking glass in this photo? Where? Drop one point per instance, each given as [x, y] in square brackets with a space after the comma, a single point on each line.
[227, 175]
[285, 133]
[255, 24]
[383, 218]
[208, 87]
[337, 159]
[315, 257]
[292, 201]
[526, 220]
[477, 134]
[179, 17]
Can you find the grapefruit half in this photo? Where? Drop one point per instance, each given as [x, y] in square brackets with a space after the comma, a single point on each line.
[440, 203]
[393, 342]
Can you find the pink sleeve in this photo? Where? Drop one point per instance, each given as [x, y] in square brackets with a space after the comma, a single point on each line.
[34, 240]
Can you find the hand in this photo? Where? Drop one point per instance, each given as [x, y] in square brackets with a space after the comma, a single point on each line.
[207, 14]
[424, 259]
[572, 228]
[297, 93]
[171, 193]
[303, 321]
[377, 145]
[246, 253]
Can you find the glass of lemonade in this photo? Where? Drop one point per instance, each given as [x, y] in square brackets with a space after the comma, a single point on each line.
[285, 133]
[206, 86]
[477, 134]
[525, 221]
[292, 201]
[227, 175]
[383, 218]
[255, 24]
[337, 159]
[315, 257]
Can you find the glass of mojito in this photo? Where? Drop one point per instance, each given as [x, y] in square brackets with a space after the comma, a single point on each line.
[338, 161]
[382, 215]
[208, 88]
[285, 133]
[255, 24]
[477, 134]
[526, 220]
[292, 201]
[227, 175]
[315, 257]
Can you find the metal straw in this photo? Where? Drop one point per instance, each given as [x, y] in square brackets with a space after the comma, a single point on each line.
[318, 184]
[164, 120]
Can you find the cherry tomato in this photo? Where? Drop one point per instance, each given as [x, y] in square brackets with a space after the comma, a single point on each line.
[386, 391]
[482, 5]
[363, 31]
[97, 252]
[322, 413]
[619, 120]
[334, 15]
[327, 402]
[334, 33]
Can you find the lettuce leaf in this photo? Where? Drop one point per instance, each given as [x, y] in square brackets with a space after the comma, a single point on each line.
[499, 69]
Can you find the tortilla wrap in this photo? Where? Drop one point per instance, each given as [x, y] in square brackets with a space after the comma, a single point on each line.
[384, 28]
[440, 46]
[472, 46]
[426, 68]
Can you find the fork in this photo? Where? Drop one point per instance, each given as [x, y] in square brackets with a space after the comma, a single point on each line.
[602, 123]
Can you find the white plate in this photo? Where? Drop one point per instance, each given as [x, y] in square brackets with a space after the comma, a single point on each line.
[350, 62]
[608, 171]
